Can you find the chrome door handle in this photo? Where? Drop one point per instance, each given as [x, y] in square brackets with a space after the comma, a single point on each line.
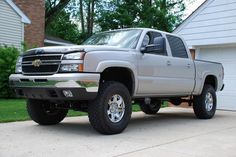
[188, 65]
[168, 63]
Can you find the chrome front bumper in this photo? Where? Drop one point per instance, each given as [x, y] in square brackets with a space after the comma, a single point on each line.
[83, 84]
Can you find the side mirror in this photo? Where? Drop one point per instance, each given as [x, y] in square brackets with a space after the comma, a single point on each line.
[143, 49]
[158, 46]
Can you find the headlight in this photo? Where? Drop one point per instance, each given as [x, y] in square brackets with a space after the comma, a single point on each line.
[71, 68]
[19, 60]
[19, 65]
[74, 56]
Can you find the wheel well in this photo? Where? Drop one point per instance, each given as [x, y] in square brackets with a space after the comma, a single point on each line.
[119, 74]
[211, 80]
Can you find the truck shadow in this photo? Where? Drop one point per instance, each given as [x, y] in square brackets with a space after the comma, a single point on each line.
[138, 121]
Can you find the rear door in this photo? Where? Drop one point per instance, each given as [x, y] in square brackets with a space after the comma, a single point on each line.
[181, 67]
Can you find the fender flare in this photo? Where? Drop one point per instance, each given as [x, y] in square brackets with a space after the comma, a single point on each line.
[204, 80]
[120, 64]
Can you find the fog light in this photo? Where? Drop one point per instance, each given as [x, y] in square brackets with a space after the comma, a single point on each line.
[18, 69]
[67, 93]
[69, 68]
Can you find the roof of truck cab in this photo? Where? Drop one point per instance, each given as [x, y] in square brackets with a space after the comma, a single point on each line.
[140, 28]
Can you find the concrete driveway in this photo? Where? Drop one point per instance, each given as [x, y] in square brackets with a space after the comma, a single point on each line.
[174, 132]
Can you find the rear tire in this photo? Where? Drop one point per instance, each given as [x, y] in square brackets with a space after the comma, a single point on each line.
[204, 105]
[151, 108]
[44, 112]
[110, 112]
[176, 101]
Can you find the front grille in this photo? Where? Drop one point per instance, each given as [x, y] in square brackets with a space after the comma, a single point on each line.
[41, 69]
[49, 64]
[45, 58]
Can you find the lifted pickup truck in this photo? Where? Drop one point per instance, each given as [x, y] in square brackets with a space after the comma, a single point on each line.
[109, 71]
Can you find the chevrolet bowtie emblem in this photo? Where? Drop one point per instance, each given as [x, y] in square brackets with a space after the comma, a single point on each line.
[37, 62]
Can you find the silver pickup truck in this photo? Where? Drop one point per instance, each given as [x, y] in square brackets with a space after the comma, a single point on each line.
[110, 71]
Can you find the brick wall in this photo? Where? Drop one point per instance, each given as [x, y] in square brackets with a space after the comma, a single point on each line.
[35, 10]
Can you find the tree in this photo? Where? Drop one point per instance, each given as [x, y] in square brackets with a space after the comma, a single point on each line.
[161, 14]
[117, 14]
[90, 16]
[53, 8]
[81, 17]
[61, 26]
[170, 13]
[75, 14]
[83, 11]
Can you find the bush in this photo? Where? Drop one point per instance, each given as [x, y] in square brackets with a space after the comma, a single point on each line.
[8, 57]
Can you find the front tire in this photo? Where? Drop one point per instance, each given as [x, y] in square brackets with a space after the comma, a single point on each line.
[44, 112]
[204, 105]
[110, 112]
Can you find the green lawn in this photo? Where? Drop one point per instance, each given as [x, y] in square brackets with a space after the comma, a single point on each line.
[12, 110]
[15, 110]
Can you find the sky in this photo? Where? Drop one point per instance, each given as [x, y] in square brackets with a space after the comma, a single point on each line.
[190, 7]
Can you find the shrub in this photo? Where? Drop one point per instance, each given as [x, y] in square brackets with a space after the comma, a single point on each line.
[8, 57]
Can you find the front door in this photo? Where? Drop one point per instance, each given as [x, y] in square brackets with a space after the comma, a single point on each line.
[153, 73]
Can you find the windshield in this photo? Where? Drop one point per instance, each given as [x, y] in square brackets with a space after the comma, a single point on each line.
[120, 38]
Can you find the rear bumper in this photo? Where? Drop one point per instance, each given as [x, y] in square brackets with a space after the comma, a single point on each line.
[83, 86]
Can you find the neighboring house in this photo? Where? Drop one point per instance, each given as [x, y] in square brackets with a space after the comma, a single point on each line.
[35, 32]
[12, 21]
[211, 31]
[23, 21]
[35, 10]
[55, 41]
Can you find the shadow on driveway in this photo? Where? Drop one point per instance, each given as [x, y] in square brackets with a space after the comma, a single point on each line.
[139, 120]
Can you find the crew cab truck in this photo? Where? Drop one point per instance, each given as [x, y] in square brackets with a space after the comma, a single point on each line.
[109, 71]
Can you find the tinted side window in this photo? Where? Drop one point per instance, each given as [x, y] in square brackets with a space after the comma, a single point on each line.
[177, 47]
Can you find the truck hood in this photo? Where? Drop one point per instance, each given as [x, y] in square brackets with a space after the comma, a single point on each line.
[77, 48]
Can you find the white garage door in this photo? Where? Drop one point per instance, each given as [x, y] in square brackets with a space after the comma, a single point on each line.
[226, 56]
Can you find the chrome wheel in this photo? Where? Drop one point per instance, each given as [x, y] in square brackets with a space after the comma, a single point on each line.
[204, 105]
[116, 108]
[209, 101]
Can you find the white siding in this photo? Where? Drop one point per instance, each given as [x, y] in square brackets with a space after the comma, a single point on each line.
[226, 56]
[214, 23]
[211, 29]
[11, 26]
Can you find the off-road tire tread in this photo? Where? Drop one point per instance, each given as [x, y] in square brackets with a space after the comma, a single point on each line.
[199, 104]
[96, 113]
[37, 113]
[148, 110]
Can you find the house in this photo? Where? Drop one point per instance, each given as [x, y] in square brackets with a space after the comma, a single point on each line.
[12, 22]
[211, 32]
[56, 41]
[35, 11]
[23, 21]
